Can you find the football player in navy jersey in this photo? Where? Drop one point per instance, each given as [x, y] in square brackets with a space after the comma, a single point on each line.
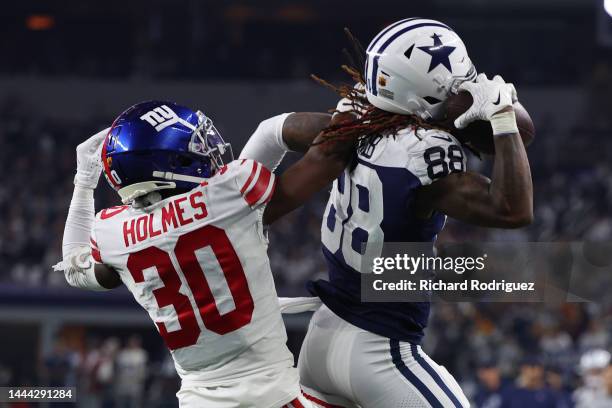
[407, 176]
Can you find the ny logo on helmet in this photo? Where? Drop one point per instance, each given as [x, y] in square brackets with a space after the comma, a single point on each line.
[162, 117]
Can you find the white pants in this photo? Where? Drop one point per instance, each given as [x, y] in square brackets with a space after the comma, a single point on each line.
[345, 366]
[272, 389]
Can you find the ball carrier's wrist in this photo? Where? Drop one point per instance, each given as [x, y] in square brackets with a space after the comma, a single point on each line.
[84, 185]
[504, 123]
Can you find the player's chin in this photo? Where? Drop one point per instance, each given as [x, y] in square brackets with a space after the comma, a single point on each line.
[477, 137]
[473, 144]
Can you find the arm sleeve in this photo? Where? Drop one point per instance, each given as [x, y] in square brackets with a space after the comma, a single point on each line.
[266, 145]
[255, 182]
[437, 155]
[79, 250]
[80, 219]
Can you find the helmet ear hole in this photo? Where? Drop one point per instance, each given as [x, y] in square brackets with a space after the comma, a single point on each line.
[185, 161]
[180, 160]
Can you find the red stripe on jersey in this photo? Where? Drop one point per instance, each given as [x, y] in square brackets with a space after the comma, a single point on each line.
[112, 211]
[297, 404]
[260, 187]
[95, 254]
[270, 194]
[253, 171]
[319, 402]
[93, 243]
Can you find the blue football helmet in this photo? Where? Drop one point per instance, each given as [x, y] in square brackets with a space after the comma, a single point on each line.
[158, 145]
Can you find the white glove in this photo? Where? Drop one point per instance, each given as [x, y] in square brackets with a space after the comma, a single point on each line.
[490, 97]
[79, 269]
[89, 162]
[346, 105]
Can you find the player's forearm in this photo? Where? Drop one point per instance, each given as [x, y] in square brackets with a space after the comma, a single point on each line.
[510, 193]
[324, 161]
[321, 164]
[300, 182]
[504, 202]
[301, 128]
[77, 263]
[275, 136]
[511, 185]
[80, 219]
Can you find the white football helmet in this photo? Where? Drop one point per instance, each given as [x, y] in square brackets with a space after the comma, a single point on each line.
[413, 65]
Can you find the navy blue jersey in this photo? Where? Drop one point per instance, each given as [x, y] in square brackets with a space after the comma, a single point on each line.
[373, 202]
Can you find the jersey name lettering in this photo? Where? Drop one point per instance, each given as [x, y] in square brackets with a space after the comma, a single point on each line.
[172, 215]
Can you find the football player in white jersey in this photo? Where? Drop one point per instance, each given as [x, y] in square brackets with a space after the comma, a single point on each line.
[408, 175]
[189, 243]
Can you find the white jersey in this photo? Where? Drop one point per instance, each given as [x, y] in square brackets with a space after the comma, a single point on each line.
[197, 263]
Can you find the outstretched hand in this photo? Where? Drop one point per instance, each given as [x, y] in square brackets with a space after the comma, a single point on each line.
[490, 97]
[89, 162]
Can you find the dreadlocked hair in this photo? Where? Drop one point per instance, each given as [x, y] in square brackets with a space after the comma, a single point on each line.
[369, 122]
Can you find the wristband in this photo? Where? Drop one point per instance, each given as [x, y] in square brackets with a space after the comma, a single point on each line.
[504, 123]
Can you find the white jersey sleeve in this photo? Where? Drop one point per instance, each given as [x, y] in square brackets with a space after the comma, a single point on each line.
[266, 144]
[255, 182]
[95, 250]
[436, 155]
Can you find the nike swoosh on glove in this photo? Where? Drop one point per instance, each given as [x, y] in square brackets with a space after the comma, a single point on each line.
[490, 97]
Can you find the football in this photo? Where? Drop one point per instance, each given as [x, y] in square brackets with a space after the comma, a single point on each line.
[479, 134]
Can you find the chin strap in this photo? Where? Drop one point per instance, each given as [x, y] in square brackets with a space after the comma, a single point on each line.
[130, 193]
[133, 191]
[178, 177]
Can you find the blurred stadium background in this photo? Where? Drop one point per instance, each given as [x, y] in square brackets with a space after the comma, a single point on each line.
[68, 68]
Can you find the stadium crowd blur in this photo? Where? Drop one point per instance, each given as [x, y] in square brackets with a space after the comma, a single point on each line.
[106, 372]
[491, 348]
